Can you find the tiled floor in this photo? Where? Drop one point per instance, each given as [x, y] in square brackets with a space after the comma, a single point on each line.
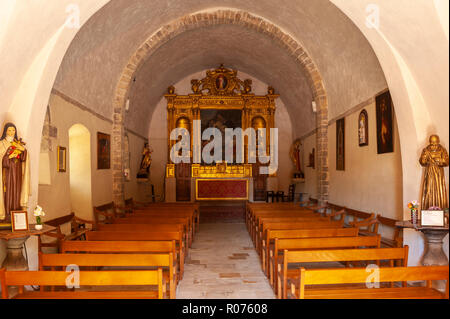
[222, 264]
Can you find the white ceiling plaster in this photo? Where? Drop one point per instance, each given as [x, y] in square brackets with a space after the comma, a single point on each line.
[98, 54]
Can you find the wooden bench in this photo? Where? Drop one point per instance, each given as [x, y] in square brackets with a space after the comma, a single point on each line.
[87, 278]
[118, 247]
[77, 231]
[163, 261]
[335, 255]
[269, 241]
[186, 207]
[146, 228]
[144, 236]
[315, 243]
[293, 225]
[360, 275]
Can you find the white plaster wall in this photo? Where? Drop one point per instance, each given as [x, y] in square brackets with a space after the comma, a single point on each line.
[79, 168]
[371, 182]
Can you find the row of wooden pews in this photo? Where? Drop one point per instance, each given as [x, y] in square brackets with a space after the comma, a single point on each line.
[311, 251]
[135, 251]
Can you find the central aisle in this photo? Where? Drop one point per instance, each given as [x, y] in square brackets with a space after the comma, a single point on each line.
[223, 264]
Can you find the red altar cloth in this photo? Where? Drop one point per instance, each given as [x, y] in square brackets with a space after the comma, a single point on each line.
[232, 189]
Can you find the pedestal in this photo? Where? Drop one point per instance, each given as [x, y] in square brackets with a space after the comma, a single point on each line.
[14, 259]
[434, 254]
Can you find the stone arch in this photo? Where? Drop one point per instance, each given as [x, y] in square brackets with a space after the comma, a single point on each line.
[211, 18]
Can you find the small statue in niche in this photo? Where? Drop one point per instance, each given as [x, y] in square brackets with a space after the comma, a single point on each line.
[144, 170]
[195, 84]
[434, 158]
[270, 90]
[15, 173]
[247, 86]
[296, 156]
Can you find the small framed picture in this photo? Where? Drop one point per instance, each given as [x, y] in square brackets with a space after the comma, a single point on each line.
[432, 218]
[61, 159]
[19, 220]
[103, 151]
[363, 128]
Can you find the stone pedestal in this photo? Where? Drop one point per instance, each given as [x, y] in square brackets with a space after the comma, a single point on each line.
[434, 254]
[14, 259]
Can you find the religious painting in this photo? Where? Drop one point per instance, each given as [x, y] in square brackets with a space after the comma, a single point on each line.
[340, 144]
[19, 220]
[221, 82]
[220, 119]
[103, 151]
[363, 128]
[385, 143]
[61, 159]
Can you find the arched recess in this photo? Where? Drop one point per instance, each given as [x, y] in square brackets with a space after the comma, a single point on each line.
[211, 18]
[80, 171]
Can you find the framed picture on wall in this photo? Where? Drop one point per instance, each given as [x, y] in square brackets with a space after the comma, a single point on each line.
[363, 128]
[103, 151]
[61, 159]
[385, 143]
[340, 144]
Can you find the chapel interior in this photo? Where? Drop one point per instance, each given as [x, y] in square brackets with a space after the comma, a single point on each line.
[119, 112]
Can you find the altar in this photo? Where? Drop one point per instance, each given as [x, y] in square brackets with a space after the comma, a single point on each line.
[219, 102]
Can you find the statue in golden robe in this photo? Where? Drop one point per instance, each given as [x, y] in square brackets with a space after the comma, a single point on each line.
[434, 158]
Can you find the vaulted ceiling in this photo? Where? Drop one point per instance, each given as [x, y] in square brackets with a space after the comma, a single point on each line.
[103, 46]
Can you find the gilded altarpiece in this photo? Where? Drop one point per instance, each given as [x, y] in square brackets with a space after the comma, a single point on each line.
[221, 89]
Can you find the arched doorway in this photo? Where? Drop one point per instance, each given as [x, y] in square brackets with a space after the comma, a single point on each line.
[80, 171]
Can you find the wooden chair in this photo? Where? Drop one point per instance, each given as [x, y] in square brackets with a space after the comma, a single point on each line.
[314, 277]
[271, 195]
[105, 213]
[78, 230]
[86, 278]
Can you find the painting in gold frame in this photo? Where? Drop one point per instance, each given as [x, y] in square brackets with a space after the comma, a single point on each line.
[103, 151]
[61, 159]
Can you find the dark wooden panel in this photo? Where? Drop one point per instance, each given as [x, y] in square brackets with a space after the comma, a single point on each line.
[183, 186]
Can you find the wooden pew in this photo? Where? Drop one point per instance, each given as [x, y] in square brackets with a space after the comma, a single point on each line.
[359, 275]
[143, 236]
[163, 261]
[148, 226]
[293, 225]
[268, 242]
[315, 243]
[187, 207]
[262, 221]
[87, 278]
[77, 230]
[120, 247]
[335, 255]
